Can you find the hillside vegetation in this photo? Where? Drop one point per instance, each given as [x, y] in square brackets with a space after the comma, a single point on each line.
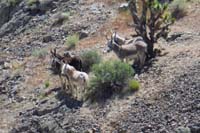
[164, 97]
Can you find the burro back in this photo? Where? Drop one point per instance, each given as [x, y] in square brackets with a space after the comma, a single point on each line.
[135, 49]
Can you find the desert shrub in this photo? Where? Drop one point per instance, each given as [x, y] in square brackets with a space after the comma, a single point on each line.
[133, 85]
[47, 84]
[72, 41]
[109, 77]
[31, 2]
[178, 8]
[89, 58]
[39, 53]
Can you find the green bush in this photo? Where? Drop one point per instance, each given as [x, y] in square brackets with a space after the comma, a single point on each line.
[39, 53]
[133, 85]
[47, 84]
[72, 41]
[89, 58]
[178, 8]
[31, 2]
[109, 77]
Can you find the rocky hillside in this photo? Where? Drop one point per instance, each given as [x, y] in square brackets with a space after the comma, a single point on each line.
[169, 97]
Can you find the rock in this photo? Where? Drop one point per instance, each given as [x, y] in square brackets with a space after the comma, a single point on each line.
[147, 128]
[7, 65]
[123, 7]
[90, 131]
[47, 39]
[96, 8]
[174, 36]
[83, 34]
[39, 6]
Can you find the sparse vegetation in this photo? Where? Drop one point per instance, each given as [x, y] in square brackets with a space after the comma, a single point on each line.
[16, 65]
[109, 77]
[31, 2]
[47, 84]
[39, 53]
[178, 8]
[33, 98]
[72, 41]
[42, 96]
[133, 85]
[90, 58]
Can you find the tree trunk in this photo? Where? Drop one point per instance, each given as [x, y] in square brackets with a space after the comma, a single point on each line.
[150, 50]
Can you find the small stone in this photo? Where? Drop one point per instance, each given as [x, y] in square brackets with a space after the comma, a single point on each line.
[47, 39]
[123, 7]
[89, 131]
[7, 65]
[83, 34]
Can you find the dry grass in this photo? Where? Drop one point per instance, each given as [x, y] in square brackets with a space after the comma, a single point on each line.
[38, 73]
[121, 23]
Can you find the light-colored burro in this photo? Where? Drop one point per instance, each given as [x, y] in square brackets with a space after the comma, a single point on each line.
[79, 79]
[128, 50]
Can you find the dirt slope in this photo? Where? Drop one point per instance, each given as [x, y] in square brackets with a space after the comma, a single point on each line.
[170, 89]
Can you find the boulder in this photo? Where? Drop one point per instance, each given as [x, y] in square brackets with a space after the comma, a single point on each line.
[83, 34]
[123, 7]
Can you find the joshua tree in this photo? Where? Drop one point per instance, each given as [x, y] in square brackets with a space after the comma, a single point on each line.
[151, 21]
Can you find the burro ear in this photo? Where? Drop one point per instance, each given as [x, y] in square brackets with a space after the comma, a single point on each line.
[115, 34]
[111, 37]
[105, 35]
[107, 38]
[54, 51]
[62, 62]
[111, 31]
[51, 51]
